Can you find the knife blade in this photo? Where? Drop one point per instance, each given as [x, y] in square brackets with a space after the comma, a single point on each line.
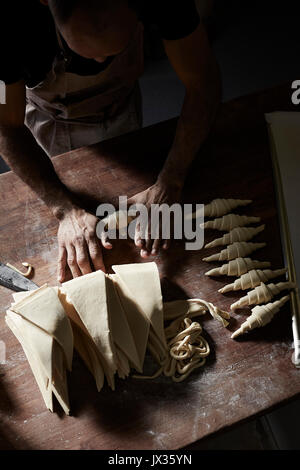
[15, 281]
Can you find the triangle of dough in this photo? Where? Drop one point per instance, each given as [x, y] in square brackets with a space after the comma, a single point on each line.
[87, 350]
[137, 320]
[43, 308]
[83, 342]
[88, 296]
[16, 323]
[123, 364]
[17, 296]
[121, 332]
[59, 384]
[143, 283]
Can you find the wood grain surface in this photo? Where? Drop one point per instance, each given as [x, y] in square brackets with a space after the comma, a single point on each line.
[241, 379]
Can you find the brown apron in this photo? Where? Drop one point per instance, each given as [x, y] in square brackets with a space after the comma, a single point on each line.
[66, 111]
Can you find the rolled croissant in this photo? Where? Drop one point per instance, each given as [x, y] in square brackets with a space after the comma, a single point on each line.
[238, 234]
[219, 207]
[252, 279]
[262, 294]
[229, 221]
[236, 250]
[260, 316]
[237, 267]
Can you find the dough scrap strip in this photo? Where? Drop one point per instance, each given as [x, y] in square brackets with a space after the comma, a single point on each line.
[187, 351]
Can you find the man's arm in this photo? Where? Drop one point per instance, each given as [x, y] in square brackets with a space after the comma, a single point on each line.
[195, 65]
[76, 233]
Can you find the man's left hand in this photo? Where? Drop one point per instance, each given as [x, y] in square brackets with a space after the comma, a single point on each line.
[159, 193]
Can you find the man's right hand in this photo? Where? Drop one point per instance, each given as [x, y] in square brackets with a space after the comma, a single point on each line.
[79, 247]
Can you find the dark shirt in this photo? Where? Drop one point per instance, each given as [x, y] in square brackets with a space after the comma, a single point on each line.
[28, 41]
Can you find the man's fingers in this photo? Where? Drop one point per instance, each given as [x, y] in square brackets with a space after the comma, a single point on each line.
[72, 261]
[146, 250]
[138, 237]
[96, 254]
[166, 244]
[105, 241]
[155, 247]
[68, 274]
[82, 257]
[62, 263]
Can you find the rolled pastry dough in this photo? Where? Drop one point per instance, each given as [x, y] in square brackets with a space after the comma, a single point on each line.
[237, 267]
[236, 250]
[260, 316]
[238, 234]
[252, 279]
[262, 294]
[229, 222]
[219, 207]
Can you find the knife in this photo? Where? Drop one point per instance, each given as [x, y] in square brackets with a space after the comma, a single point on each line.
[15, 281]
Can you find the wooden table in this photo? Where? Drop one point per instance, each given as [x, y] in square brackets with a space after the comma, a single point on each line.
[241, 379]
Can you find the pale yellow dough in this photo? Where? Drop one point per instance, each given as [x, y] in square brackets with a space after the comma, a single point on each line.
[113, 318]
[236, 250]
[40, 324]
[219, 207]
[143, 285]
[252, 279]
[261, 315]
[262, 294]
[237, 234]
[88, 295]
[237, 267]
[229, 222]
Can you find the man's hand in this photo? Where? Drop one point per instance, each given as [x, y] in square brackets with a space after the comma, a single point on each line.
[79, 247]
[159, 193]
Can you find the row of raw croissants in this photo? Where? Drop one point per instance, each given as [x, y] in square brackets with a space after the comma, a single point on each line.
[253, 274]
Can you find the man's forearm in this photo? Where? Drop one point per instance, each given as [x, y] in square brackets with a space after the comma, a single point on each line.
[28, 160]
[197, 115]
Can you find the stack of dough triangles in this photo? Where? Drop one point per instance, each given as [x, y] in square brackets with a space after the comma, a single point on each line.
[115, 317]
[40, 324]
[139, 285]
